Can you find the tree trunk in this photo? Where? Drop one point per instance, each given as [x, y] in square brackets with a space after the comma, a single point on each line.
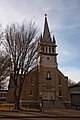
[17, 104]
[16, 99]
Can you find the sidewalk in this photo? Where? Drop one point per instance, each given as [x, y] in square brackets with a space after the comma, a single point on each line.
[46, 113]
[25, 114]
[62, 112]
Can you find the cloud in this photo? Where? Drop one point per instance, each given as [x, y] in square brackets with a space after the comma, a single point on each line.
[65, 13]
[72, 73]
[59, 11]
[8, 14]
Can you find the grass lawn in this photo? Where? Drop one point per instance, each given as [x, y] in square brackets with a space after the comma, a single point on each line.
[4, 106]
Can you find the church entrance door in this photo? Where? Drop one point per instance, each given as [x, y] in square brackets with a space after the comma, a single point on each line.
[48, 96]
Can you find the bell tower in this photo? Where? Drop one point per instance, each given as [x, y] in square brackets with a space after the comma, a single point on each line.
[47, 56]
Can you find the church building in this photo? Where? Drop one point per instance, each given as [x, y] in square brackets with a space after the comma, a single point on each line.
[45, 82]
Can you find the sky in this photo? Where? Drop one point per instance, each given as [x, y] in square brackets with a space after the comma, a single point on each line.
[64, 24]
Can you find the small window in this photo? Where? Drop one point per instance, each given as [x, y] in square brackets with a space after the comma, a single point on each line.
[31, 81]
[48, 76]
[49, 49]
[42, 49]
[46, 49]
[30, 93]
[60, 83]
[60, 93]
[52, 50]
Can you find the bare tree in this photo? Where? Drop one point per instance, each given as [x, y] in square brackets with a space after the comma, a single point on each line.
[4, 68]
[1, 33]
[71, 82]
[78, 82]
[21, 42]
[4, 61]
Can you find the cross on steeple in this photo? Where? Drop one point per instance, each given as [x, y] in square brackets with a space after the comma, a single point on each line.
[45, 15]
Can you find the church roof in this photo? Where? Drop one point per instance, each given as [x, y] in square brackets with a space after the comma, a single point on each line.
[46, 32]
[74, 85]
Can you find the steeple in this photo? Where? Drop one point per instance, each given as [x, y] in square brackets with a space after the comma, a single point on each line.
[54, 41]
[46, 33]
[47, 55]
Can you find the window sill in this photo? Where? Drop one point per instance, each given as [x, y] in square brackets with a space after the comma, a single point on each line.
[48, 78]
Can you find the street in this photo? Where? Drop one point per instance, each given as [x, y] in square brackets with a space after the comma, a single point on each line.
[40, 119]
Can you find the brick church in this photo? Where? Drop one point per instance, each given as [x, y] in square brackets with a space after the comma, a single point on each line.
[45, 82]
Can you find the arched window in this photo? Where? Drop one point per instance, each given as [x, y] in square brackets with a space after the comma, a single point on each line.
[30, 93]
[42, 48]
[60, 81]
[49, 49]
[31, 81]
[46, 49]
[48, 76]
[52, 50]
[60, 93]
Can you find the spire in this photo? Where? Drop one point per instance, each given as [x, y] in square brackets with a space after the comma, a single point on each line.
[41, 38]
[54, 41]
[46, 33]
